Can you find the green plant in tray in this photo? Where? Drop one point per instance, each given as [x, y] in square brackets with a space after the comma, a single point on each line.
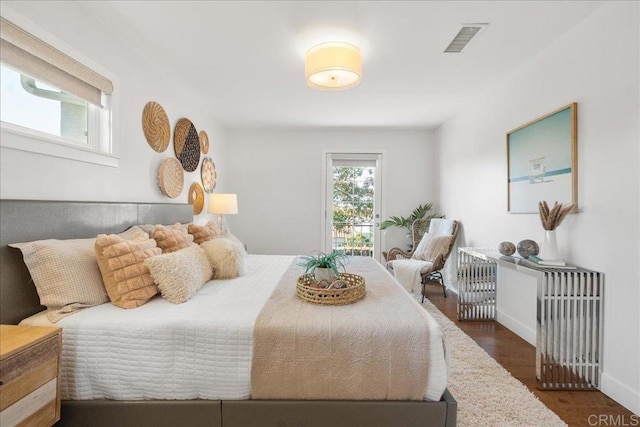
[333, 261]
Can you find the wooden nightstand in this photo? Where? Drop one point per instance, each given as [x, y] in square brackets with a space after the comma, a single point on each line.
[29, 375]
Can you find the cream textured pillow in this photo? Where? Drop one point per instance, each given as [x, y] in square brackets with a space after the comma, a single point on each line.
[436, 246]
[204, 233]
[179, 275]
[172, 239]
[422, 246]
[227, 257]
[126, 277]
[65, 273]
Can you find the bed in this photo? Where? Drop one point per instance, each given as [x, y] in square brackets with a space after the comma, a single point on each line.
[35, 220]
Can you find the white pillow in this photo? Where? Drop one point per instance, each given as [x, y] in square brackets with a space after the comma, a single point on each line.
[438, 245]
[180, 274]
[226, 256]
[422, 246]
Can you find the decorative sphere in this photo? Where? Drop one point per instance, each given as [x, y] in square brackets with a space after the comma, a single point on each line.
[507, 248]
[527, 247]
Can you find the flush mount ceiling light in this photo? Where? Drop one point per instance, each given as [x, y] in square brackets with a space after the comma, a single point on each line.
[333, 66]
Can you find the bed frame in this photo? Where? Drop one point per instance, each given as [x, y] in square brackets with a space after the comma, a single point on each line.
[24, 221]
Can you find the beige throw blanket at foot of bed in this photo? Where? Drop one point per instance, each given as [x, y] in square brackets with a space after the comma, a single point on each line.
[375, 349]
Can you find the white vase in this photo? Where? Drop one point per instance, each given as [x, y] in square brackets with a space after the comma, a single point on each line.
[549, 247]
[324, 275]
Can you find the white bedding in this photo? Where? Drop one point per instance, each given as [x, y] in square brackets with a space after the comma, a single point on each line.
[201, 349]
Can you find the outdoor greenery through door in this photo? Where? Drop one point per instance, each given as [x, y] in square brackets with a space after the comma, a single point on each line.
[353, 210]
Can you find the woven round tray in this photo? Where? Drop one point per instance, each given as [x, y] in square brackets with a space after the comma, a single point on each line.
[204, 142]
[196, 198]
[186, 144]
[353, 291]
[208, 174]
[170, 177]
[155, 125]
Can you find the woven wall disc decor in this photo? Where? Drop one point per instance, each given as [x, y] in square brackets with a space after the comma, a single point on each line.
[155, 125]
[186, 144]
[170, 177]
[204, 142]
[196, 197]
[208, 174]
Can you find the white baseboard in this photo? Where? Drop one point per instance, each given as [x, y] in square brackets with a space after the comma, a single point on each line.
[621, 393]
[519, 328]
[451, 286]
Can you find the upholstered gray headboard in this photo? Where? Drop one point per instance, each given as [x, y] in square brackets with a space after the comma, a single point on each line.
[29, 220]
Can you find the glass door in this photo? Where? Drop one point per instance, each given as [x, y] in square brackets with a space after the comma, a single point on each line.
[353, 197]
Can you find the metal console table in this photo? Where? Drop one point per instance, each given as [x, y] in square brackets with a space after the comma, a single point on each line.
[568, 313]
[476, 284]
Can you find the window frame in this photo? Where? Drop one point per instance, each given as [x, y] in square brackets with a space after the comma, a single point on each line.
[101, 148]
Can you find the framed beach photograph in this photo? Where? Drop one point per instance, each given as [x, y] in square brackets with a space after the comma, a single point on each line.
[542, 158]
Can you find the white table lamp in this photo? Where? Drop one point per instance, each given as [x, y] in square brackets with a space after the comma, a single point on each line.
[221, 205]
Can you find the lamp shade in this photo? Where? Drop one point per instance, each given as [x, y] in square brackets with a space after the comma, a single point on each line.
[333, 66]
[223, 204]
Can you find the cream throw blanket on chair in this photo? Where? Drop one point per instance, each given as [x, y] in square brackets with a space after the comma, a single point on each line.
[407, 271]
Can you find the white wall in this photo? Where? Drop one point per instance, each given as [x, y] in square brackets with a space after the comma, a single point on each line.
[27, 175]
[595, 64]
[277, 175]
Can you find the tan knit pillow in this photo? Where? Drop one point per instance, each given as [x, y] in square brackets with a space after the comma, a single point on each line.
[172, 239]
[126, 277]
[148, 228]
[179, 275]
[65, 273]
[132, 232]
[204, 233]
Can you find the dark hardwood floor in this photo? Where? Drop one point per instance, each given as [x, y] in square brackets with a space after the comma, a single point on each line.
[576, 408]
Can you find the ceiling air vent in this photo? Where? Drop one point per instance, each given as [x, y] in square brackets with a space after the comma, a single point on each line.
[464, 36]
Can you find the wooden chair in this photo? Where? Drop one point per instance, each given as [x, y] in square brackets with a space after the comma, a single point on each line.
[419, 228]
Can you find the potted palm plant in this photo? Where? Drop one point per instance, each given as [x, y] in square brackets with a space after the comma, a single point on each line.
[422, 211]
[325, 267]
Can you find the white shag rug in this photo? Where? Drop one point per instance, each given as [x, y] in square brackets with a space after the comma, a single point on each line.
[487, 394]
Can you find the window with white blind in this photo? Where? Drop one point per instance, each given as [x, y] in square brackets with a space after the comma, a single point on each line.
[51, 103]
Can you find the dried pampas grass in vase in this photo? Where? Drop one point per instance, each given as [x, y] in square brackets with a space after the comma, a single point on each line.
[551, 219]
